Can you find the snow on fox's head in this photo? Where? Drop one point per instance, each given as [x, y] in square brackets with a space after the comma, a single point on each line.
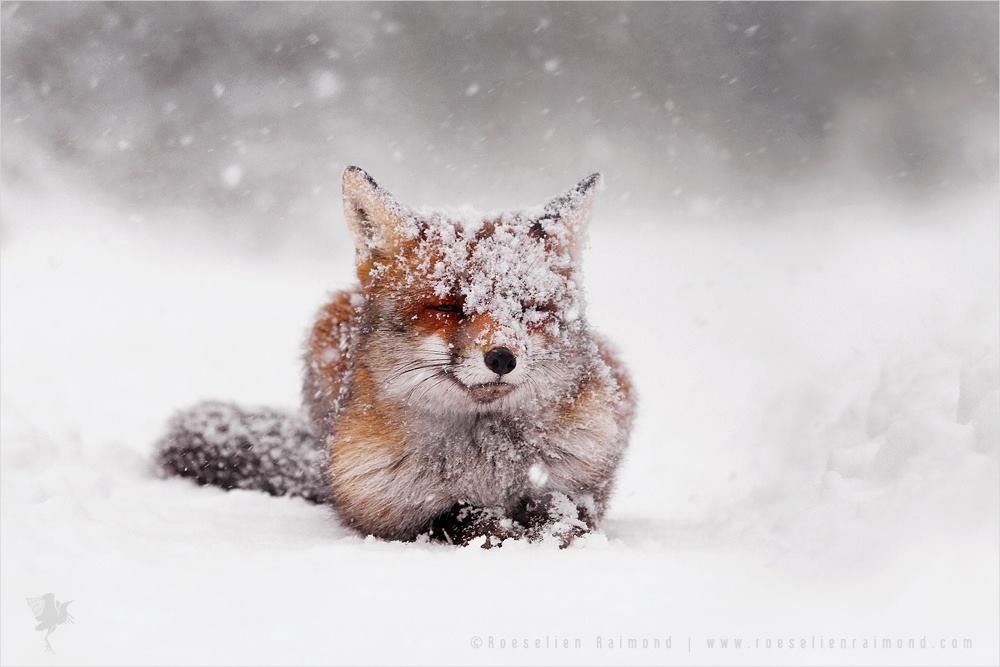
[470, 313]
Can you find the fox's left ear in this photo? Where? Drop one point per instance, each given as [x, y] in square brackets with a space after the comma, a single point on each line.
[570, 211]
[376, 220]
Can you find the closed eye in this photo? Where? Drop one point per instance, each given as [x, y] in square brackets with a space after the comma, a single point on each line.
[540, 307]
[448, 308]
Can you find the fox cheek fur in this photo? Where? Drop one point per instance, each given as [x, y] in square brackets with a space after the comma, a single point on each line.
[415, 366]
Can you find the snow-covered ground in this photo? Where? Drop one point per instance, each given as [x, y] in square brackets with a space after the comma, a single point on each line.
[815, 457]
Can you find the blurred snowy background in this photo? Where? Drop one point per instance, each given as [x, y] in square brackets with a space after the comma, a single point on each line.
[797, 251]
[248, 113]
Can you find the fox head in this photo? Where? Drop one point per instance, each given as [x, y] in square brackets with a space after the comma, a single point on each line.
[471, 314]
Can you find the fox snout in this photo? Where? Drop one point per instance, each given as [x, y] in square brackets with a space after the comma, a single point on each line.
[500, 360]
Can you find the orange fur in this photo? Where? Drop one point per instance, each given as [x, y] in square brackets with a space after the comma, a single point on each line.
[328, 357]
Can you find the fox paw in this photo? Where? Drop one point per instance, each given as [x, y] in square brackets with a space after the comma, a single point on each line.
[463, 524]
[554, 516]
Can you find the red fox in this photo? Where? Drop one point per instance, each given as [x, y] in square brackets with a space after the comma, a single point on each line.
[456, 392]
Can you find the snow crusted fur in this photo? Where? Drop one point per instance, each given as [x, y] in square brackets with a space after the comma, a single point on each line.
[456, 392]
[259, 450]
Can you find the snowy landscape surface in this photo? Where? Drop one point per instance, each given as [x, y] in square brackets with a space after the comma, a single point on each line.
[817, 355]
[815, 454]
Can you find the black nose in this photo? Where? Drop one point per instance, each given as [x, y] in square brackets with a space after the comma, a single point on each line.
[500, 360]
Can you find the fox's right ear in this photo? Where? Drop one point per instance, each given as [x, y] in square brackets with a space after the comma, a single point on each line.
[376, 220]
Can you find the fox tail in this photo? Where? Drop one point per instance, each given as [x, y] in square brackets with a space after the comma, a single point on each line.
[260, 449]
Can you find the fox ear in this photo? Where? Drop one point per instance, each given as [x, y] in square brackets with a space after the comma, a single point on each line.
[570, 211]
[374, 217]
